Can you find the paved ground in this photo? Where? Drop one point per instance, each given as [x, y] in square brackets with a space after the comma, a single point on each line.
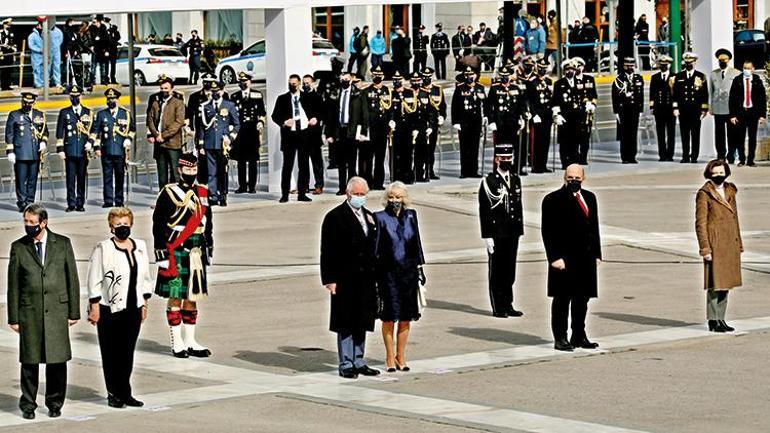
[273, 368]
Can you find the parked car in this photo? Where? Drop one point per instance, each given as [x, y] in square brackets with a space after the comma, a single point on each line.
[252, 61]
[751, 45]
[151, 61]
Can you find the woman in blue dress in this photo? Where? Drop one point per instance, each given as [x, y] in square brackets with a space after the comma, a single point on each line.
[399, 256]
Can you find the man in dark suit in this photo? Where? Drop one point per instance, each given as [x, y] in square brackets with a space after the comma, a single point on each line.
[627, 103]
[251, 111]
[748, 109]
[43, 302]
[461, 44]
[294, 113]
[401, 52]
[347, 271]
[570, 230]
[661, 98]
[314, 133]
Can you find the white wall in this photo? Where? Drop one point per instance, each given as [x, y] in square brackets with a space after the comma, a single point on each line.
[184, 22]
[253, 25]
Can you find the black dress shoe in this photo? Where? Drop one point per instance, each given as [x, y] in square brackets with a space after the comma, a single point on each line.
[751, 164]
[693, 161]
[514, 313]
[132, 402]
[547, 170]
[340, 192]
[349, 373]
[80, 209]
[563, 345]
[182, 354]
[202, 353]
[54, 413]
[223, 202]
[107, 205]
[434, 177]
[500, 315]
[69, 209]
[240, 190]
[283, 199]
[584, 344]
[477, 176]
[28, 414]
[713, 324]
[303, 197]
[684, 161]
[115, 402]
[368, 371]
[726, 327]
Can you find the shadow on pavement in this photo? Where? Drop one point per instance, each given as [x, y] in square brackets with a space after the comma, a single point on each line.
[499, 335]
[453, 306]
[306, 360]
[643, 320]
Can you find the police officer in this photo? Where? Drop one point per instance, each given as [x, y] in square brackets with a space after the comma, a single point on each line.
[661, 100]
[329, 89]
[379, 101]
[420, 49]
[401, 116]
[26, 138]
[691, 104]
[217, 127]
[506, 107]
[112, 134]
[589, 97]
[250, 105]
[627, 105]
[7, 53]
[439, 48]
[540, 105]
[436, 114]
[568, 114]
[194, 49]
[500, 214]
[467, 118]
[73, 130]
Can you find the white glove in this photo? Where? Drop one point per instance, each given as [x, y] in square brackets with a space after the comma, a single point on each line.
[202, 151]
[127, 143]
[62, 156]
[521, 124]
[490, 245]
[537, 119]
[617, 117]
[415, 134]
[89, 146]
[559, 119]
[492, 127]
[457, 126]
[260, 126]
[43, 146]
[392, 124]
[440, 120]
[484, 121]
[12, 158]
[163, 264]
[188, 130]
[460, 53]
[590, 107]
[429, 131]
[226, 142]
[527, 115]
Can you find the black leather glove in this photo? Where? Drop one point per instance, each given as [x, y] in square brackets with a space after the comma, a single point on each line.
[421, 276]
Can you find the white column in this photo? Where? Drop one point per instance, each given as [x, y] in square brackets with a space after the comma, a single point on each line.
[184, 22]
[760, 13]
[708, 17]
[253, 26]
[288, 37]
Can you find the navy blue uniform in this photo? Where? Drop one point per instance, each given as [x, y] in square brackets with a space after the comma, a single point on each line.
[73, 131]
[110, 133]
[24, 133]
[217, 120]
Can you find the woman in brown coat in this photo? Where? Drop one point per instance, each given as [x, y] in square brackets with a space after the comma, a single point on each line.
[719, 240]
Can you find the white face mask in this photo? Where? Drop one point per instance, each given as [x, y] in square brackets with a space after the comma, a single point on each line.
[747, 72]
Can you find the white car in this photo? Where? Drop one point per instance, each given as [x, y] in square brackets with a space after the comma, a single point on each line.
[151, 61]
[252, 61]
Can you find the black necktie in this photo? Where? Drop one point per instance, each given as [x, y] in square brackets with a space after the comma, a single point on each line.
[39, 248]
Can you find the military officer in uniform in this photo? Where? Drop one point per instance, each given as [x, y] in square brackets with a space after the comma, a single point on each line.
[589, 97]
[540, 105]
[329, 89]
[112, 134]
[26, 138]
[500, 214]
[73, 131]
[217, 128]
[439, 47]
[720, 82]
[193, 112]
[194, 49]
[436, 114]
[627, 105]
[402, 114]
[420, 49]
[506, 108]
[250, 106]
[568, 114]
[691, 104]
[379, 101]
[7, 53]
[467, 118]
[661, 100]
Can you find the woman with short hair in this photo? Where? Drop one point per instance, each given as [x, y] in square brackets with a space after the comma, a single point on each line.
[119, 285]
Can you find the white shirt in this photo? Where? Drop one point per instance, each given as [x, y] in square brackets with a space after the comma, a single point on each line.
[720, 189]
[77, 109]
[359, 214]
[580, 197]
[43, 241]
[302, 117]
[345, 102]
[162, 109]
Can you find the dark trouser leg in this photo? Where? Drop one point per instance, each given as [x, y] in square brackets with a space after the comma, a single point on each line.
[685, 131]
[559, 316]
[30, 378]
[579, 310]
[107, 330]
[253, 168]
[341, 152]
[108, 171]
[420, 157]
[71, 169]
[542, 143]
[671, 134]
[81, 172]
[661, 127]
[695, 132]
[402, 155]
[565, 143]
[432, 140]
[351, 62]
[752, 123]
[740, 139]
[223, 180]
[469, 149]
[19, 174]
[55, 385]
[502, 274]
[211, 178]
[585, 139]
[365, 156]
[303, 166]
[113, 64]
[242, 179]
[316, 157]
[289, 154]
[628, 140]
[720, 134]
[103, 71]
[32, 176]
[378, 145]
[131, 325]
[163, 164]
[345, 349]
[120, 177]
[351, 154]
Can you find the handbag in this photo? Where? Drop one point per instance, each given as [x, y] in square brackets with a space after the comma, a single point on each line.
[422, 298]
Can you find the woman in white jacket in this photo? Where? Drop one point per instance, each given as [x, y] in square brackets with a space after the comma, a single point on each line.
[119, 285]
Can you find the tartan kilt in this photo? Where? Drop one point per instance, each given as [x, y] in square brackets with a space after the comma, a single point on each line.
[179, 287]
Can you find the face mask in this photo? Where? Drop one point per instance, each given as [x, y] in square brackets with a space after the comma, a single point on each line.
[747, 72]
[243, 86]
[415, 86]
[664, 68]
[426, 82]
[33, 231]
[189, 179]
[528, 69]
[469, 80]
[217, 96]
[165, 94]
[26, 108]
[398, 84]
[358, 201]
[122, 232]
[306, 88]
[377, 80]
[504, 79]
[722, 65]
[345, 84]
[506, 165]
[569, 74]
[394, 205]
[112, 104]
[689, 66]
[574, 185]
[719, 180]
[75, 100]
[542, 71]
[629, 70]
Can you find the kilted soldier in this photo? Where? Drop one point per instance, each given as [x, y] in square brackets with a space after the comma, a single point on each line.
[467, 118]
[506, 107]
[184, 246]
[436, 113]
[402, 113]
[500, 214]
[112, 134]
[589, 97]
[540, 105]
[627, 103]
[661, 100]
[568, 114]
[26, 138]
[73, 131]
[217, 128]
[691, 104]
[379, 101]
[250, 106]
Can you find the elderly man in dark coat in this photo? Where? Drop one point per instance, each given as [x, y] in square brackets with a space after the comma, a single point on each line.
[347, 271]
[570, 229]
[43, 302]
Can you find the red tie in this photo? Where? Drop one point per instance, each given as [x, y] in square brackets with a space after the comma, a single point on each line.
[747, 104]
[582, 204]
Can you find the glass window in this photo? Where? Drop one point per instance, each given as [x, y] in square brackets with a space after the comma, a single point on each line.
[224, 25]
[256, 48]
[322, 44]
[157, 23]
[123, 52]
[165, 52]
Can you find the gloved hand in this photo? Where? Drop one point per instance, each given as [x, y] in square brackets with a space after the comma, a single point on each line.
[392, 125]
[492, 127]
[415, 134]
[484, 121]
[440, 120]
[537, 119]
[62, 156]
[188, 130]
[210, 255]
[163, 264]
[490, 245]
[226, 142]
[617, 117]
[590, 107]
[88, 146]
[429, 131]
[127, 143]
[421, 276]
[521, 124]
[201, 151]
[559, 119]
[43, 146]
[12, 158]
[457, 127]
[260, 126]
[527, 115]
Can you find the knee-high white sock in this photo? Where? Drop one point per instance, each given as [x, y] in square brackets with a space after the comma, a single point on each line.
[177, 343]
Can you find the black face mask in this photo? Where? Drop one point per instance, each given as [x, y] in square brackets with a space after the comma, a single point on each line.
[629, 70]
[722, 65]
[189, 179]
[306, 88]
[293, 88]
[469, 80]
[504, 79]
[345, 84]
[26, 108]
[377, 80]
[217, 96]
[243, 86]
[689, 66]
[122, 232]
[542, 71]
[398, 84]
[75, 100]
[506, 165]
[395, 206]
[33, 231]
[574, 185]
[528, 69]
[426, 82]
[112, 104]
[415, 86]
[664, 68]
[569, 74]
[718, 180]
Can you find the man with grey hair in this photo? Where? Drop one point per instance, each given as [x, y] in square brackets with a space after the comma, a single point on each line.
[347, 272]
[43, 302]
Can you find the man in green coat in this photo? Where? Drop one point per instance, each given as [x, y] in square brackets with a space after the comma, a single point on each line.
[43, 302]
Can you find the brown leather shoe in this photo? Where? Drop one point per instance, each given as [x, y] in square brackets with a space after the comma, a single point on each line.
[318, 191]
